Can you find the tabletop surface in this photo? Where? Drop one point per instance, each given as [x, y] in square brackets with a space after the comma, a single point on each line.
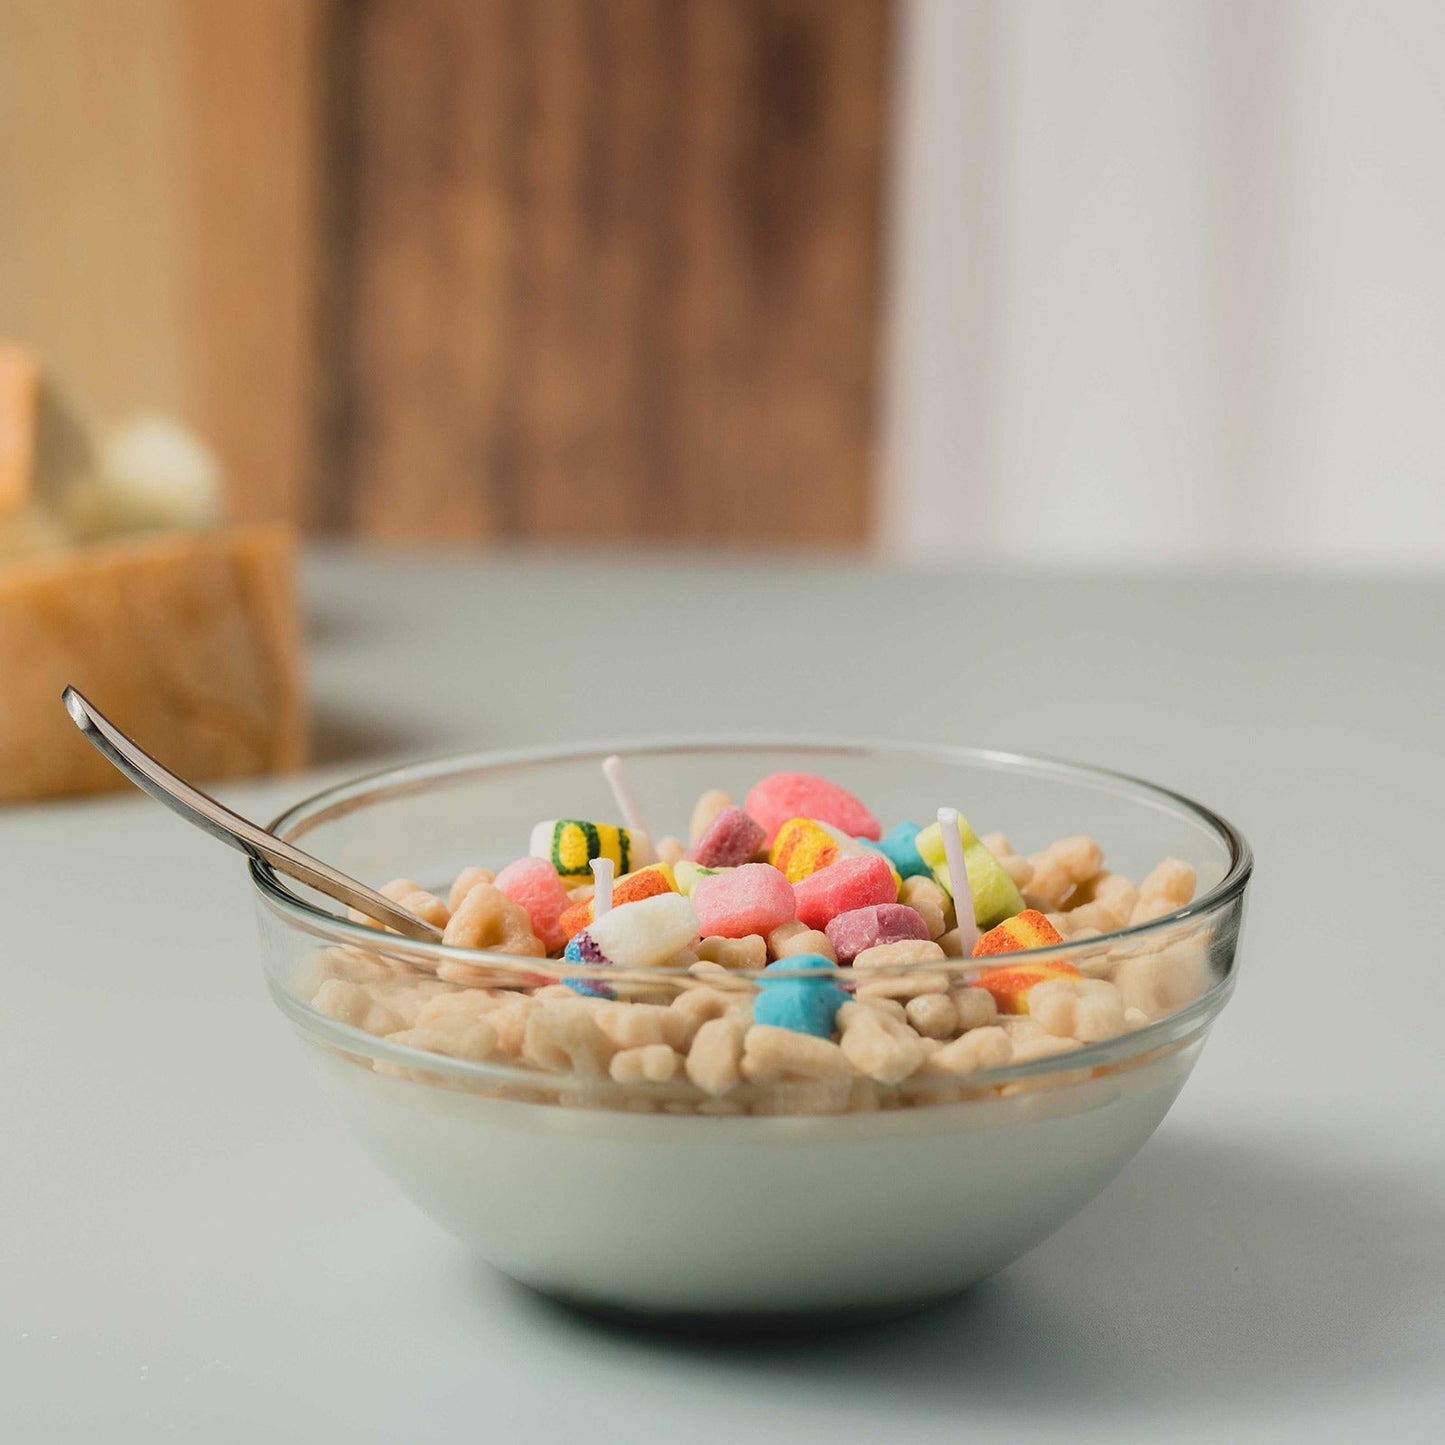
[193, 1248]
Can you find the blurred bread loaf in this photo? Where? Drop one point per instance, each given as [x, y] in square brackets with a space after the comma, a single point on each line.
[117, 575]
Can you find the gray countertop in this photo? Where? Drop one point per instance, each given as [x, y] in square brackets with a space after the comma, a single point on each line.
[193, 1248]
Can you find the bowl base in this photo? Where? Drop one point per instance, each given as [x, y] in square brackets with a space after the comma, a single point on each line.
[739, 1326]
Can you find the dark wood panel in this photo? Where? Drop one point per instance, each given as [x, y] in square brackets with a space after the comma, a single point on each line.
[610, 268]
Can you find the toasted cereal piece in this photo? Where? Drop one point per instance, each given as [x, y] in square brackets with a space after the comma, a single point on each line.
[1171, 885]
[890, 1006]
[795, 937]
[806, 1096]
[473, 1003]
[487, 918]
[565, 1037]
[899, 955]
[1158, 983]
[926, 897]
[466, 880]
[976, 1007]
[1087, 1009]
[716, 976]
[699, 1006]
[353, 1004]
[648, 1063]
[981, 1048]
[407, 997]
[410, 896]
[933, 1015]
[903, 984]
[355, 965]
[1041, 1046]
[636, 1025]
[773, 1055]
[455, 1035]
[715, 1058]
[1059, 868]
[903, 951]
[510, 1022]
[747, 952]
[1106, 903]
[877, 1045]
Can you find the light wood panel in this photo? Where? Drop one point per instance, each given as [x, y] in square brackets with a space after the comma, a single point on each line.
[159, 168]
[96, 229]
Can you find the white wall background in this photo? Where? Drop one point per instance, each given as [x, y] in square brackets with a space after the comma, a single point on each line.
[1169, 281]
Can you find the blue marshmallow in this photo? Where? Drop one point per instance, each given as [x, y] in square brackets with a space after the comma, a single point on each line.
[898, 846]
[804, 1005]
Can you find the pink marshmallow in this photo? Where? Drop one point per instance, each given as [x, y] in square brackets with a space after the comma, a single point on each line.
[754, 898]
[843, 886]
[850, 933]
[533, 884]
[781, 796]
[731, 839]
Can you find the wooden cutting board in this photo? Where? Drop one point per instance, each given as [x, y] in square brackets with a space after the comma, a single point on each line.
[190, 641]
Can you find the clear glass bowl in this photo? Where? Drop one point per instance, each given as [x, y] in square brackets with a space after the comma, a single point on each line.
[657, 1198]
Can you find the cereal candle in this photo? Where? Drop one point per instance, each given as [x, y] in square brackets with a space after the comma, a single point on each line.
[958, 876]
[635, 823]
[602, 891]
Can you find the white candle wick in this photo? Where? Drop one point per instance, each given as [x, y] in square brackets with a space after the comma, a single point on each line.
[958, 877]
[602, 886]
[616, 776]
[641, 853]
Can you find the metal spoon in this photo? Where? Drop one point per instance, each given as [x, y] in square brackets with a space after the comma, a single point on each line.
[220, 822]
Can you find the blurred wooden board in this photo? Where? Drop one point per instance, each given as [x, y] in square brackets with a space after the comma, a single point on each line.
[19, 415]
[461, 269]
[191, 643]
[610, 269]
[159, 182]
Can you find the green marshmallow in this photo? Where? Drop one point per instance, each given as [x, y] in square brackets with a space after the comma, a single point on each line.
[687, 874]
[995, 897]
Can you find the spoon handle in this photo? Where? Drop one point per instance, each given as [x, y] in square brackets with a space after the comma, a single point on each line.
[220, 822]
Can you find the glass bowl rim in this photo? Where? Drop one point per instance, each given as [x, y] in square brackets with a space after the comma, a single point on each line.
[338, 799]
